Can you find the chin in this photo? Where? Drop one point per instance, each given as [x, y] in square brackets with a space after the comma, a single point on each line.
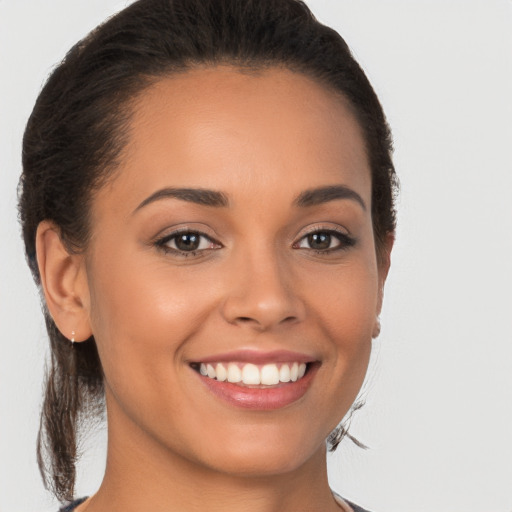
[264, 452]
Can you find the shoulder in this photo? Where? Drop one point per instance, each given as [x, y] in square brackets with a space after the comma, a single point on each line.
[356, 508]
[71, 506]
[346, 505]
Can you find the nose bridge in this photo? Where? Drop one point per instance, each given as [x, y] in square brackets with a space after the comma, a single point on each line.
[261, 292]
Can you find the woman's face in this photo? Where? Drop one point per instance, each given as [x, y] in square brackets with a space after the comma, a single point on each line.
[236, 239]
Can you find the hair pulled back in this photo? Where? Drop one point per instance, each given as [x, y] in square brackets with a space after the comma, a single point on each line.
[80, 124]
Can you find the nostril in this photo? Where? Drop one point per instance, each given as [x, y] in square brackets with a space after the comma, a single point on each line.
[250, 320]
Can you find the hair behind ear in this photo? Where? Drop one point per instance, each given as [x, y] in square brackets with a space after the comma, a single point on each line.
[57, 433]
[72, 391]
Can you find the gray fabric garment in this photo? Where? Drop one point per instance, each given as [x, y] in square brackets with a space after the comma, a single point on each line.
[356, 508]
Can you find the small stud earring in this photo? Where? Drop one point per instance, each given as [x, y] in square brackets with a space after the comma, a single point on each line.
[72, 336]
[376, 328]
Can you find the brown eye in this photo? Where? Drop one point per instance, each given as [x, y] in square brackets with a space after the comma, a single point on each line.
[325, 241]
[188, 241]
[319, 241]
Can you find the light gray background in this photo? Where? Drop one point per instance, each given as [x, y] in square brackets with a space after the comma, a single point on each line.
[438, 417]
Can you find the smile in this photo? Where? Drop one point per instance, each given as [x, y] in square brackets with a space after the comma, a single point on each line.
[257, 381]
[249, 374]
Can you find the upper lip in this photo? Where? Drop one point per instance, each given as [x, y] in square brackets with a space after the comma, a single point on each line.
[258, 357]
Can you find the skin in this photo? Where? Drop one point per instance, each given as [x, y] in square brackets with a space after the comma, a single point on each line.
[256, 283]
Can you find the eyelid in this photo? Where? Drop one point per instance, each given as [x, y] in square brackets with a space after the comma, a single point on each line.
[322, 227]
[162, 240]
[178, 229]
[346, 240]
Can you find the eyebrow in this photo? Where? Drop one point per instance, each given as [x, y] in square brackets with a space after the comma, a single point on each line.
[322, 195]
[214, 198]
[200, 196]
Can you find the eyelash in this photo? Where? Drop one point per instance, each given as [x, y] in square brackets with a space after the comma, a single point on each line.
[345, 242]
[161, 243]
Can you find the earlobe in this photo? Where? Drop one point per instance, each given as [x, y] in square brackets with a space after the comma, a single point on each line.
[376, 328]
[64, 283]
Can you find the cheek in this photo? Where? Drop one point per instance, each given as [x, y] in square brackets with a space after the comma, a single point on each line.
[142, 320]
[344, 303]
[345, 300]
[143, 325]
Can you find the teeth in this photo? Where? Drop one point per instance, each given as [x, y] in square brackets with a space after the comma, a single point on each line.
[250, 374]
[269, 374]
[284, 373]
[294, 372]
[221, 372]
[234, 373]
[210, 370]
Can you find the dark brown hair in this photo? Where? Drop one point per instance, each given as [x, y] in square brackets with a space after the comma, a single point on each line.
[80, 125]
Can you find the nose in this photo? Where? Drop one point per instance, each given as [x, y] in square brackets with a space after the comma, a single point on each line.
[262, 293]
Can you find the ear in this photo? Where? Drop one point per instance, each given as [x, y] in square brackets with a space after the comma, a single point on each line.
[383, 262]
[64, 282]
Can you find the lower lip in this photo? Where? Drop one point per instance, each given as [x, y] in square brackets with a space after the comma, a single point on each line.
[262, 399]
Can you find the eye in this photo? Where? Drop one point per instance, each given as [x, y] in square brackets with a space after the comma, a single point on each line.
[187, 242]
[325, 241]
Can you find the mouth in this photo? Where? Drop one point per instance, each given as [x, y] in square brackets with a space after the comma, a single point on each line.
[249, 374]
[258, 386]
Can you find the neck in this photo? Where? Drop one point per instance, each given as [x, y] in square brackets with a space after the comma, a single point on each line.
[140, 475]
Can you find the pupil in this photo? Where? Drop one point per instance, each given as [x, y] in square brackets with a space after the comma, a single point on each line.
[319, 240]
[187, 242]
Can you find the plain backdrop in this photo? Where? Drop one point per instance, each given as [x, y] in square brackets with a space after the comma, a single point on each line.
[438, 417]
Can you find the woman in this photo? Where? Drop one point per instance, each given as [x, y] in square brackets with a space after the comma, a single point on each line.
[207, 205]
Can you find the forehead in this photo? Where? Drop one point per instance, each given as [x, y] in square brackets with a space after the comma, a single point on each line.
[258, 132]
